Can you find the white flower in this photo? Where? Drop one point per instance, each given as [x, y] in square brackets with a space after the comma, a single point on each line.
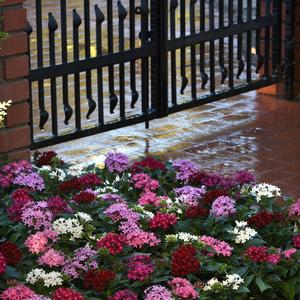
[210, 284]
[243, 232]
[50, 279]
[233, 280]
[76, 170]
[84, 217]
[185, 237]
[58, 173]
[3, 108]
[71, 226]
[45, 168]
[265, 190]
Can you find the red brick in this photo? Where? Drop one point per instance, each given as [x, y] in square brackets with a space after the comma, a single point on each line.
[15, 91]
[10, 2]
[18, 114]
[16, 67]
[19, 155]
[269, 90]
[15, 43]
[14, 138]
[14, 19]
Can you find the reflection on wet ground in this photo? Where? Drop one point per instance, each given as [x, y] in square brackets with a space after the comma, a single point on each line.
[246, 132]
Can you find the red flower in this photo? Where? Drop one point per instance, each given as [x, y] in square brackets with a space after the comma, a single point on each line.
[149, 163]
[70, 185]
[85, 197]
[2, 264]
[264, 218]
[194, 212]
[11, 253]
[113, 242]
[46, 158]
[66, 294]
[89, 180]
[163, 221]
[184, 261]
[296, 241]
[257, 254]
[98, 279]
[212, 195]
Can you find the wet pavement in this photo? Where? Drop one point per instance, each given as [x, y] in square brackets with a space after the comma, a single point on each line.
[250, 131]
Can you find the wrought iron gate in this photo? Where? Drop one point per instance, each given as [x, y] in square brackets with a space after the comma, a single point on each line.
[141, 60]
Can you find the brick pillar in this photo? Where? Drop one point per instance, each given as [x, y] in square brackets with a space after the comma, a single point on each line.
[14, 68]
[279, 89]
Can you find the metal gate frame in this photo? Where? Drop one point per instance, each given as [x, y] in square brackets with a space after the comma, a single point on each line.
[155, 47]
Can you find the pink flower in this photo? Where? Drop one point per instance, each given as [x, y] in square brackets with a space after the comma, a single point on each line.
[52, 258]
[183, 288]
[140, 238]
[124, 295]
[143, 181]
[294, 209]
[18, 292]
[38, 242]
[221, 247]
[140, 267]
[289, 253]
[274, 258]
[157, 292]
[150, 198]
[223, 206]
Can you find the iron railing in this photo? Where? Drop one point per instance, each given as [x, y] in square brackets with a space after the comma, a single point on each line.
[152, 58]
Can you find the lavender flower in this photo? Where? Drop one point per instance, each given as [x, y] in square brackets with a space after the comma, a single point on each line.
[116, 162]
[189, 195]
[32, 180]
[223, 207]
[185, 169]
[158, 292]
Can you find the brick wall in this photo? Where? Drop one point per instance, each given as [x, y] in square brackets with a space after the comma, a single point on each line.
[297, 50]
[14, 68]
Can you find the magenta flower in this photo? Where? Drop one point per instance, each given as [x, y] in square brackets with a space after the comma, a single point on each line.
[220, 247]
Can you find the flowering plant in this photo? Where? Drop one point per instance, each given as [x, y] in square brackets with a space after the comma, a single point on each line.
[148, 230]
[3, 108]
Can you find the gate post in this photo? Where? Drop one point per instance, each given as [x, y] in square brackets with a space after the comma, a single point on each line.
[14, 68]
[159, 63]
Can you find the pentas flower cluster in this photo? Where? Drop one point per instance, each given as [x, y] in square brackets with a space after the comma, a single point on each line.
[220, 247]
[265, 190]
[265, 218]
[113, 242]
[47, 158]
[148, 230]
[116, 162]
[183, 289]
[186, 254]
[158, 292]
[189, 196]
[148, 163]
[143, 181]
[223, 207]
[243, 232]
[163, 221]
[98, 279]
[140, 267]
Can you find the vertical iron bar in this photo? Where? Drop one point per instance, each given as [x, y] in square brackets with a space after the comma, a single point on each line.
[44, 115]
[173, 7]
[52, 27]
[87, 42]
[99, 20]
[111, 77]
[193, 50]
[184, 79]
[224, 71]
[145, 60]
[241, 64]
[259, 57]
[134, 92]
[289, 49]
[64, 58]
[267, 42]
[28, 29]
[159, 67]
[212, 47]
[76, 23]
[122, 16]
[276, 48]
[204, 76]
[230, 46]
[249, 43]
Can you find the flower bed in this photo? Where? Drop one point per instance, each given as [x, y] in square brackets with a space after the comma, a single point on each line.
[148, 230]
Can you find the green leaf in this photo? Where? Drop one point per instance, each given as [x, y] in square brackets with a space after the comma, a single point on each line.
[263, 286]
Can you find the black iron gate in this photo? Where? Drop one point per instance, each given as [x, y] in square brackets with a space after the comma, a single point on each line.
[141, 60]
